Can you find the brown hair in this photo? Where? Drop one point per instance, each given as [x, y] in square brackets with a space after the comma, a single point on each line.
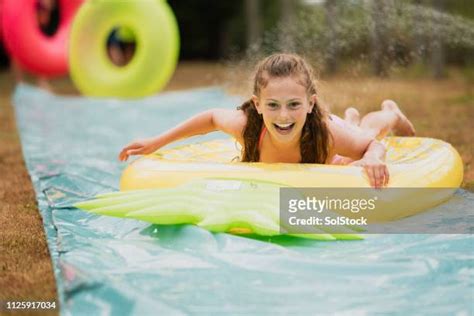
[315, 138]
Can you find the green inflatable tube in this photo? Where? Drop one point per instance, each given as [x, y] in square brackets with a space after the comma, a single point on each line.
[154, 28]
[218, 205]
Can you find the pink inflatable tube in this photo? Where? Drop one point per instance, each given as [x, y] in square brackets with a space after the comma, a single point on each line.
[34, 51]
[1, 7]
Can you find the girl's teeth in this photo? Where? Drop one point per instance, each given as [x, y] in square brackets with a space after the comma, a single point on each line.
[284, 125]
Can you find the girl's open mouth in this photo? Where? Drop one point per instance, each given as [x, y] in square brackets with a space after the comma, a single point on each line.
[284, 128]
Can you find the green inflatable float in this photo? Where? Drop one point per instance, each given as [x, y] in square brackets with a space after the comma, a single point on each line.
[218, 205]
[149, 23]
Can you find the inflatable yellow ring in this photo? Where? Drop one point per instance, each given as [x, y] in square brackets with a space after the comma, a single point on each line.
[157, 46]
[413, 162]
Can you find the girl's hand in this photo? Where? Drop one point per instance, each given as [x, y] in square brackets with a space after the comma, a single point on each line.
[139, 147]
[376, 170]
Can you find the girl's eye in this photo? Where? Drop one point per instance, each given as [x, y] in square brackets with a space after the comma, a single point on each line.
[272, 105]
[294, 104]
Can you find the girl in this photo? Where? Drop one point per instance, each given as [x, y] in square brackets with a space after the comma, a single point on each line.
[283, 122]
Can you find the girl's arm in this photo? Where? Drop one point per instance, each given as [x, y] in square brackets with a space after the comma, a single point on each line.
[374, 165]
[231, 122]
[367, 151]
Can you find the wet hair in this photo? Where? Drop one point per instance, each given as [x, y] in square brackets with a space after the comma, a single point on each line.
[315, 137]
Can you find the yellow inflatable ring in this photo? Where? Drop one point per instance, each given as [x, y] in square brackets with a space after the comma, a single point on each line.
[157, 46]
[413, 163]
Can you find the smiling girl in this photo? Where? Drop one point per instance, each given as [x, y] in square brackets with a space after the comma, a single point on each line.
[283, 123]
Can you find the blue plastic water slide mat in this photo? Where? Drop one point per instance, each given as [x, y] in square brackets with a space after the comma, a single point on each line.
[105, 265]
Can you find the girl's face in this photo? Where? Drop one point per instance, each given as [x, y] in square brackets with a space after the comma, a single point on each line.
[284, 105]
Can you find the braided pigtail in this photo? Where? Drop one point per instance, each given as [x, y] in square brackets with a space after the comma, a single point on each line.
[315, 137]
[251, 132]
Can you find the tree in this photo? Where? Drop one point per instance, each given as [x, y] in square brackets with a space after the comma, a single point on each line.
[287, 16]
[379, 37]
[436, 47]
[253, 21]
[330, 7]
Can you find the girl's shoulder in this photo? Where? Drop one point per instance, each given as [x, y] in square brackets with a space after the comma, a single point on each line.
[230, 121]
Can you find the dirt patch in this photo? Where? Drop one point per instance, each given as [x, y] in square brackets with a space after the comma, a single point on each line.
[26, 272]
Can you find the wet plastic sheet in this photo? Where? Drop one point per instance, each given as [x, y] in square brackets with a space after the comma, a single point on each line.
[106, 265]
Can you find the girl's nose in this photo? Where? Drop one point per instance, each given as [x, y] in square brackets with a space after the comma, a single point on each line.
[284, 114]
